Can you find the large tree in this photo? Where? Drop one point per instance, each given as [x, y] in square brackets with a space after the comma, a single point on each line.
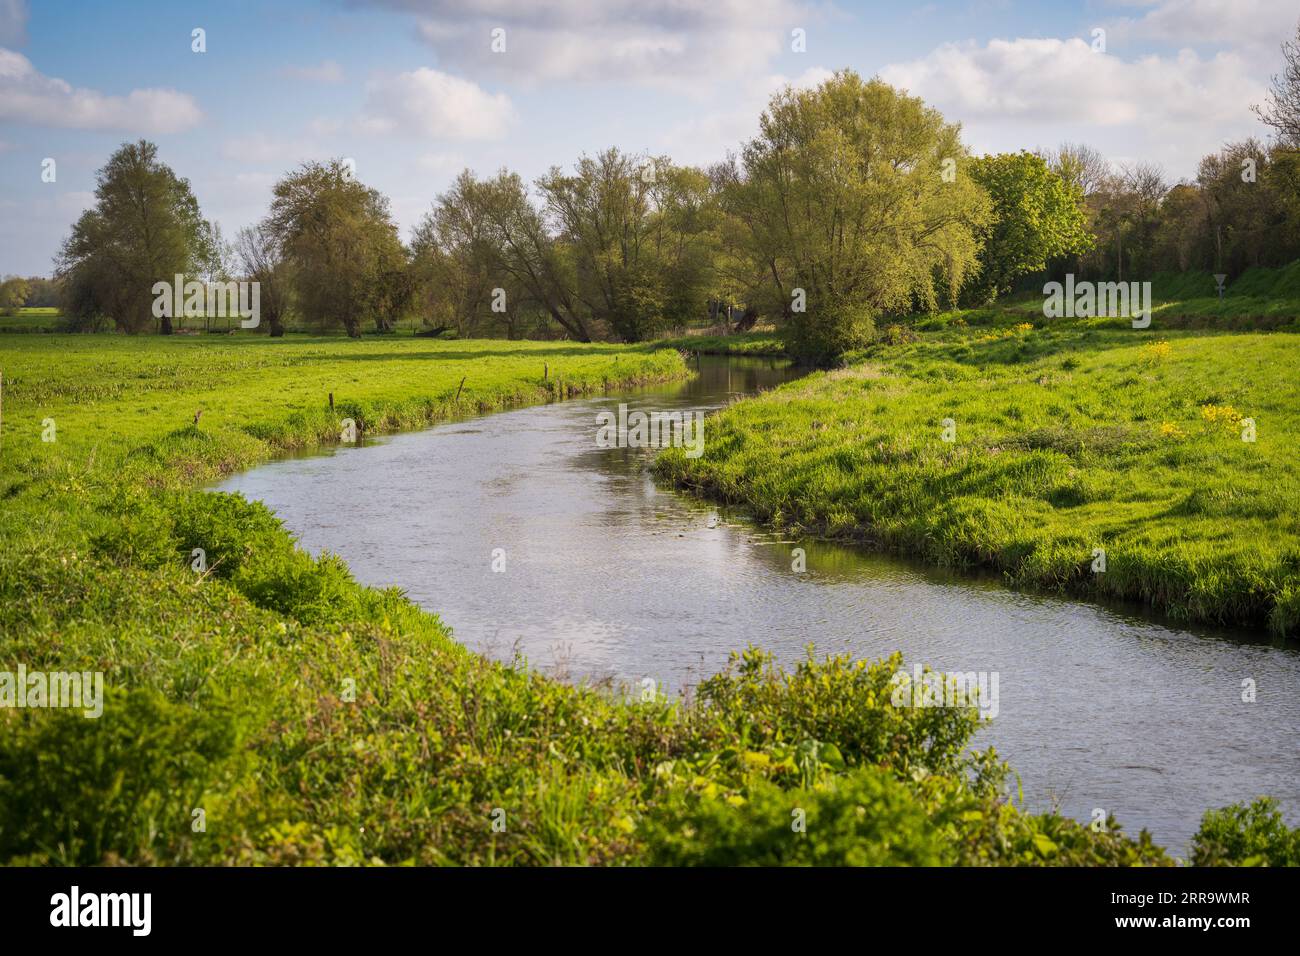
[637, 232]
[339, 239]
[463, 279]
[853, 200]
[145, 227]
[484, 239]
[1037, 216]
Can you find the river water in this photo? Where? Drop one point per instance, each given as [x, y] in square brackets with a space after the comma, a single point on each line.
[609, 576]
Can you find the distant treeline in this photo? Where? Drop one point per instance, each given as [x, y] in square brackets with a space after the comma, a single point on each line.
[854, 202]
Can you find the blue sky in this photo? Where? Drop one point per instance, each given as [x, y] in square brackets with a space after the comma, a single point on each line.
[412, 91]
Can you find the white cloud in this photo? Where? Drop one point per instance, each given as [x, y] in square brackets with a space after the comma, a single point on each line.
[707, 138]
[1173, 109]
[1259, 26]
[13, 22]
[675, 43]
[327, 71]
[433, 104]
[28, 96]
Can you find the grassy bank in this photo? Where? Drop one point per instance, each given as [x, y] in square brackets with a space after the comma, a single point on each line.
[1066, 438]
[756, 344]
[272, 710]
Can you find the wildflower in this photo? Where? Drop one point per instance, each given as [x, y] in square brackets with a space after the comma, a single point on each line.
[1221, 415]
[1156, 352]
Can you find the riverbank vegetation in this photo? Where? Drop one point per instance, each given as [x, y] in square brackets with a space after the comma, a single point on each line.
[1003, 440]
[269, 709]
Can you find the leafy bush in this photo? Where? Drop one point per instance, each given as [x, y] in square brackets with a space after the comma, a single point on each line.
[866, 818]
[825, 332]
[1253, 835]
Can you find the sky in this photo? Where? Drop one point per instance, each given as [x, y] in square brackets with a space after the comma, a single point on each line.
[413, 91]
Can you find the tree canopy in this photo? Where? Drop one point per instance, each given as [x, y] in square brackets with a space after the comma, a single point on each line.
[145, 227]
[848, 208]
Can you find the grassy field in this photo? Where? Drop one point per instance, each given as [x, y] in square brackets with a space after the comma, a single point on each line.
[272, 710]
[31, 320]
[1066, 437]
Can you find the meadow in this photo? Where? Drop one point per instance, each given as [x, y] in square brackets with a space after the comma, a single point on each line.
[265, 708]
[1070, 455]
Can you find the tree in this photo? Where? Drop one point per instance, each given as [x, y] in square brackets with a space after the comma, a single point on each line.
[42, 292]
[1080, 166]
[1037, 216]
[852, 201]
[1283, 109]
[459, 262]
[262, 261]
[145, 227]
[636, 232]
[13, 294]
[340, 241]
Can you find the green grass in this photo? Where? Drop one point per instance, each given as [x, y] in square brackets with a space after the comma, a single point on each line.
[1068, 437]
[744, 343]
[313, 720]
[39, 319]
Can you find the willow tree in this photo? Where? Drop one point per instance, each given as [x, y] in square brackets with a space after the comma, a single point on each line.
[341, 246]
[638, 233]
[852, 201]
[468, 274]
[144, 227]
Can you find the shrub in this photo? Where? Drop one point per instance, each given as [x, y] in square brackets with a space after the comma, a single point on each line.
[821, 335]
[1253, 835]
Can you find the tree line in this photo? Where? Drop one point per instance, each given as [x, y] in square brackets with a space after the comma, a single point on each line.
[853, 203]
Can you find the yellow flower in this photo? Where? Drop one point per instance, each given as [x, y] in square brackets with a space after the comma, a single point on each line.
[1221, 415]
[1156, 352]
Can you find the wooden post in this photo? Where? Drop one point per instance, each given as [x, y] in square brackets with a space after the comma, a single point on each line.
[546, 371]
[331, 402]
[459, 387]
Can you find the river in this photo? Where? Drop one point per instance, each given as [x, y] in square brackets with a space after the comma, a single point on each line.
[608, 576]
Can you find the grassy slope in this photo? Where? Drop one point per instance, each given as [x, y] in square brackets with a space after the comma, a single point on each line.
[1069, 437]
[744, 343]
[314, 720]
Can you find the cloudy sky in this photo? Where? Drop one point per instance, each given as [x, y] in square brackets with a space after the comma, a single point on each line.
[413, 91]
